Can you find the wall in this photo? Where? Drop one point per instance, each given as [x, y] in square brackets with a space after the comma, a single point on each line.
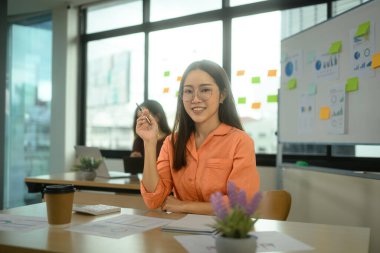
[319, 197]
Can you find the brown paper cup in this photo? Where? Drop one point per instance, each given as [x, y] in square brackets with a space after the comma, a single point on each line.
[59, 204]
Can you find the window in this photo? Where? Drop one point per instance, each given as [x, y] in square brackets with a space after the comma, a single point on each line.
[115, 83]
[166, 9]
[171, 51]
[255, 76]
[28, 118]
[114, 14]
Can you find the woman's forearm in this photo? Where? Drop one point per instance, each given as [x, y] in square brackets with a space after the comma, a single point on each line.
[150, 175]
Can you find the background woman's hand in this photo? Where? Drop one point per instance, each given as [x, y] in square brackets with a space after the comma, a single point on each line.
[147, 131]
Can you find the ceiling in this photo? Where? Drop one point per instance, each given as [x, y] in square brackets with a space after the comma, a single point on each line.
[18, 7]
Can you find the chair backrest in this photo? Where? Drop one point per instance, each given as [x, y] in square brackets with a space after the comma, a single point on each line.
[275, 205]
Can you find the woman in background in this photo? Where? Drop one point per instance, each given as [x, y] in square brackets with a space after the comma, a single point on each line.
[207, 148]
[155, 109]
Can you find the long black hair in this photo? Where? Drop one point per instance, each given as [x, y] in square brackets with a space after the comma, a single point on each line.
[184, 125]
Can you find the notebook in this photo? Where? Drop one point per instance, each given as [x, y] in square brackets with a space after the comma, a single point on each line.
[102, 171]
[96, 209]
[193, 224]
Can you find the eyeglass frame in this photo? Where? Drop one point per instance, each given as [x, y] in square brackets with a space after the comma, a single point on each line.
[196, 91]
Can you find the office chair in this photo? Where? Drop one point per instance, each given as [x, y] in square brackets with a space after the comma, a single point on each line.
[275, 205]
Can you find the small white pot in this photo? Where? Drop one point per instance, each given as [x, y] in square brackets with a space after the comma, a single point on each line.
[235, 245]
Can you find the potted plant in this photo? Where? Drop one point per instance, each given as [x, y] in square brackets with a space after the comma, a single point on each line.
[235, 220]
[87, 167]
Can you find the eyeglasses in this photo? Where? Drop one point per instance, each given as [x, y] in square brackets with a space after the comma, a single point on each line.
[203, 93]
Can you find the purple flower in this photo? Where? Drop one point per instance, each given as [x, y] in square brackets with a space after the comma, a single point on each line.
[232, 194]
[254, 203]
[217, 202]
[242, 199]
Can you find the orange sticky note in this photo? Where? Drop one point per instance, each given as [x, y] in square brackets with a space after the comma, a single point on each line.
[324, 113]
[375, 60]
[272, 72]
[179, 78]
[166, 90]
[256, 105]
[240, 72]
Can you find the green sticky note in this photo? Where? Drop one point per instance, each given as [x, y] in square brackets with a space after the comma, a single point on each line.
[177, 93]
[256, 80]
[241, 100]
[272, 99]
[363, 29]
[292, 84]
[352, 84]
[312, 89]
[335, 47]
[167, 73]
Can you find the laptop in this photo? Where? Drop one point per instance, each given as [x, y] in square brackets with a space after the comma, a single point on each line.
[102, 171]
[133, 165]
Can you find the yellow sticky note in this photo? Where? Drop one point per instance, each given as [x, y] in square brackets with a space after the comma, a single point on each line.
[241, 100]
[272, 72]
[352, 84]
[335, 47]
[240, 72]
[256, 80]
[166, 90]
[375, 60]
[256, 105]
[363, 29]
[179, 78]
[324, 113]
[292, 84]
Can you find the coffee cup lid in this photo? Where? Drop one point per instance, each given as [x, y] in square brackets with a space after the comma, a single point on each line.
[59, 188]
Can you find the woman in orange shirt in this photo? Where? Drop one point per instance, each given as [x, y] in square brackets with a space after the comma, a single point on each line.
[207, 147]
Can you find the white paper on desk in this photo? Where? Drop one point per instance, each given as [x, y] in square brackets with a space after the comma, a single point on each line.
[120, 226]
[21, 223]
[268, 241]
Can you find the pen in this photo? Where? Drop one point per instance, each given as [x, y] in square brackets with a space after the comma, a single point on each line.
[140, 109]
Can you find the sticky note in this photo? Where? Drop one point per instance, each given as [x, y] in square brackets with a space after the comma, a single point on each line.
[179, 78]
[292, 84]
[241, 100]
[352, 84]
[167, 73]
[363, 29]
[375, 60]
[272, 72]
[272, 98]
[166, 90]
[177, 93]
[312, 89]
[256, 80]
[324, 113]
[310, 57]
[256, 105]
[335, 47]
[240, 72]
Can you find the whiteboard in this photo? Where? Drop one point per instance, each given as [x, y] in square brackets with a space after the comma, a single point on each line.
[329, 92]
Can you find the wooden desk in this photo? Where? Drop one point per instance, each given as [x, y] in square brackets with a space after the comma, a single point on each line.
[324, 238]
[129, 184]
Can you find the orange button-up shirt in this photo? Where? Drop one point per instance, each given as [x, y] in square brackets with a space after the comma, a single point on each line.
[226, 154]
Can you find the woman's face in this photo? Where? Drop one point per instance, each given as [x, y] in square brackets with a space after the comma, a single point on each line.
[201, 97]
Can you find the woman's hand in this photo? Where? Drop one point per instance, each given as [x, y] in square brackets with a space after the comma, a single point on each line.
[172, 204]
[147, 127]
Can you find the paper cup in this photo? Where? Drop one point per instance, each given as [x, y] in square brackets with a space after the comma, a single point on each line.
[59, 204]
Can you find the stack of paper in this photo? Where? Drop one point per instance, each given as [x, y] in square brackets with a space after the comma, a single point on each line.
[192, 223]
